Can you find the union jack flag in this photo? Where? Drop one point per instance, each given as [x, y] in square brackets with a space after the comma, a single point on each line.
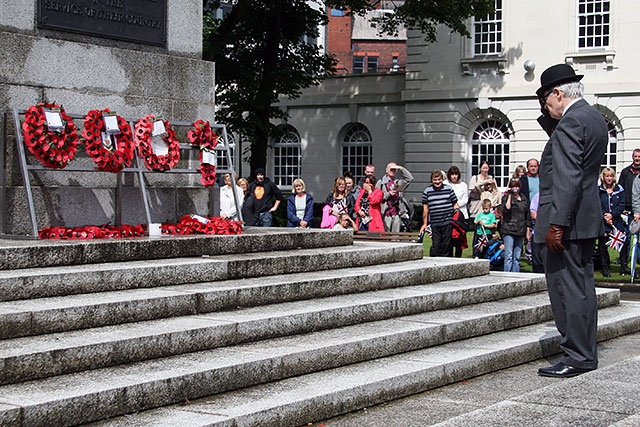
[616, 239]
[483, 242]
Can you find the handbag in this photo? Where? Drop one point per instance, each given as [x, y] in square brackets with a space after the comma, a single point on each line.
[328, 220]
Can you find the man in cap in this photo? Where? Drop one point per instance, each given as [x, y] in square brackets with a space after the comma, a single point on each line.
[569, 216]
[266, 198]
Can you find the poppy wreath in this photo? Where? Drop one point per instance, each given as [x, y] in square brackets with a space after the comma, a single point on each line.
[91, 232]
[142, 135]
[191, 225]
[53, 149]
[107, 160]
[206, 139]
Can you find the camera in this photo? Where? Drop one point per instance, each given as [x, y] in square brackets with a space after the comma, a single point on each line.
[514, 190]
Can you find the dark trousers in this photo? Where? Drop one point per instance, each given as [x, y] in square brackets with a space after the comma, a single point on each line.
[573, 301]
[537, 265]
[440, 240]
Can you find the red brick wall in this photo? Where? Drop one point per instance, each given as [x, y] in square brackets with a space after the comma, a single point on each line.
[340, 44]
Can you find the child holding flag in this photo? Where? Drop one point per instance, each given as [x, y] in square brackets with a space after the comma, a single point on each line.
[485, 224]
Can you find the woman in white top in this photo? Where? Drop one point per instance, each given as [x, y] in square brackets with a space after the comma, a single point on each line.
[459, 188]
[228, 209]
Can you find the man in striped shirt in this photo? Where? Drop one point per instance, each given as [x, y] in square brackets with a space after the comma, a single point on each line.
[438, 203]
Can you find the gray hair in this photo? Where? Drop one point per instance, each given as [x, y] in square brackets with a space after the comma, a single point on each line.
[572, 90]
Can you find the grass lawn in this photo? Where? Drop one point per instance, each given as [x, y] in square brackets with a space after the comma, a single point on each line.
[525, 267]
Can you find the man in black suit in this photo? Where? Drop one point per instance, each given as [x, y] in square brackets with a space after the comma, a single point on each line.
[569, 216]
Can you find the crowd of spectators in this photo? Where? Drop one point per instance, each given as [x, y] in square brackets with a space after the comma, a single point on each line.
[479, 207]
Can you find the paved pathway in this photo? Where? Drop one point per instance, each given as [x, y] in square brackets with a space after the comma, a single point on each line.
[519, 397]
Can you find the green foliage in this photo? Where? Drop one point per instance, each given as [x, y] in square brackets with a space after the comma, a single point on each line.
[426, 16]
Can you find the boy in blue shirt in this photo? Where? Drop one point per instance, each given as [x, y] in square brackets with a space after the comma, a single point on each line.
[485, 224]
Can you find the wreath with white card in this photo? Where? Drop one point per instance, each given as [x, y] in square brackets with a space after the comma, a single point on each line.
[204, 137]
[157, 143]
[50, 135]
[108, 140]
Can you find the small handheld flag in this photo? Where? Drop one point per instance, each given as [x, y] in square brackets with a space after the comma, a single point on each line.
[616, 239]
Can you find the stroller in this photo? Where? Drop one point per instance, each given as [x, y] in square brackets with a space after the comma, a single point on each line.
[495, 255]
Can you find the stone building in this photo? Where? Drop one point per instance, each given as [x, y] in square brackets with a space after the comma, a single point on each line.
[463, 100]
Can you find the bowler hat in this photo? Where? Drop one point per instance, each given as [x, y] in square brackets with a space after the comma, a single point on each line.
[556, 75]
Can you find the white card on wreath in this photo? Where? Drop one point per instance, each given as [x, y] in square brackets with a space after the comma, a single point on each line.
[107, 143]
[199, 218]
[111, 125]
[158, 128]
[54, 120]
[208, 157]
[160, 147]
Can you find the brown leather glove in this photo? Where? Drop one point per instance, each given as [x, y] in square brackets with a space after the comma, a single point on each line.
[553, 239]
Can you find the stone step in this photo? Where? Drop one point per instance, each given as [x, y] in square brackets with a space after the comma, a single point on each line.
[320, 395]
[17, 254]
[65, 313]
[60, 353]
[44, 282]
[345, 379]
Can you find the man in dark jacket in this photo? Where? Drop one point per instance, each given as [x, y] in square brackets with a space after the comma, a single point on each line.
[569, 216]
[266, 199]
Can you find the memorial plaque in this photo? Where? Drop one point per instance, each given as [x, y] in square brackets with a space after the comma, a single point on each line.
[142, 21]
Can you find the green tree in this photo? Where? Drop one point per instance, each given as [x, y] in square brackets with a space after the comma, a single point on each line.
[261, 53]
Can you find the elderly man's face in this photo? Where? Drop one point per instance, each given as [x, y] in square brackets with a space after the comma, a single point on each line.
[532, 167]
[554, 103]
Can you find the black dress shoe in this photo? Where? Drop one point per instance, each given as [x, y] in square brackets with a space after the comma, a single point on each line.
[562, 371]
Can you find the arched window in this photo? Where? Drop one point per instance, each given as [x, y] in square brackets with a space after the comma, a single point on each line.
[490, 142]
[287, 155]
[357, 149]
[610, 156]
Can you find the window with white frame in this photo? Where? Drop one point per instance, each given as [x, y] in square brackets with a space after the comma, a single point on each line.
[487, 33]
[358, 64]
[221, 158]
[287, 155]
[593, 24]
[357, 149]
[490, 142]
[372, 64]
[610, 155]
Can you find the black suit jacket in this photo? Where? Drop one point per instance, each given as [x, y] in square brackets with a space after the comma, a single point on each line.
[569, 170]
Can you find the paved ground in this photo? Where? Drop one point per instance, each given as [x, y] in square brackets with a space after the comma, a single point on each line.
[518, 396]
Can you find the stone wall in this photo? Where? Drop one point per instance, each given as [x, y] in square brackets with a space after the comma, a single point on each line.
[83, 72]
